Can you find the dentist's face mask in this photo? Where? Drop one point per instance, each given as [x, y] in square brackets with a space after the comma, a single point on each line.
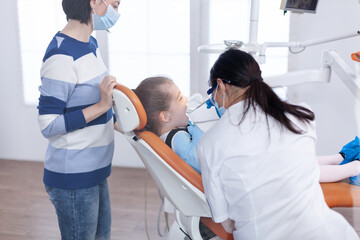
[107, 20]
[219, 110]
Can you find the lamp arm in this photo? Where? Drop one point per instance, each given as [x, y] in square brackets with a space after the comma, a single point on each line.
[345, 73]
[331, 62]
[299, 77]
[266, 45]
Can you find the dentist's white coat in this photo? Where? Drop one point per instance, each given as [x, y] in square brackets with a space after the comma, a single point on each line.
[266, 179]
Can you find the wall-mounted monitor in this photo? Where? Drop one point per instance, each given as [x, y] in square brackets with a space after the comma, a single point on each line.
[299, 6]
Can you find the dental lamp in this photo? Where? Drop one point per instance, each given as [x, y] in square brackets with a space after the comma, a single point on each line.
[330, 59]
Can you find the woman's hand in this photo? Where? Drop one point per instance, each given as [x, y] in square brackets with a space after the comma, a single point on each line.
[194, 131]
[106, 89]
[117, 128]
[228, 225]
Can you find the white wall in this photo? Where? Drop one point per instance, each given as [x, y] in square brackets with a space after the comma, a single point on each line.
[334, 105]
[20, 137]
[337, 111]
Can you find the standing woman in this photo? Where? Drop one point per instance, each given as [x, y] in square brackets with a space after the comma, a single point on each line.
[258, 162]
[75, 115]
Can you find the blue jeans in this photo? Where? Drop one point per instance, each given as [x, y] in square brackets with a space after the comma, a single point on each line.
[82, 213]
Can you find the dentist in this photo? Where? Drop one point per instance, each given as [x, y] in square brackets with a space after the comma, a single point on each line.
[75, 115]
[258, 162]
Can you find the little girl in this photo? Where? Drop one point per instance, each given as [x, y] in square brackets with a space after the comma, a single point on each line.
[166, 106]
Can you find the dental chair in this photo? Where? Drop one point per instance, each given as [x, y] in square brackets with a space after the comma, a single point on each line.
[179, 182]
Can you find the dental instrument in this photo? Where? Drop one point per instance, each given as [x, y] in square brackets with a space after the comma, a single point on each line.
[197, 107]
[206, 121]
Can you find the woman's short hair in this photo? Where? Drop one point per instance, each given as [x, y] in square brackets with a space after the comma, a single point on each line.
[77, 9]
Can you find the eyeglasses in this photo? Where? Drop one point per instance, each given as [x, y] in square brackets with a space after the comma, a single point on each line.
[210, 92]
[211, 89]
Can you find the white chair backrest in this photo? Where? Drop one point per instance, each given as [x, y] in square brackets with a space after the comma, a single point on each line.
[189, 200]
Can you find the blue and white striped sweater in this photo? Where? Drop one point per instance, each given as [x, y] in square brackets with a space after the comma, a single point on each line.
[79, 155]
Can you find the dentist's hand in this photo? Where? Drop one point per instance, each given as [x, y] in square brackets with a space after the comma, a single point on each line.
[194, 131]
[106, 89]
[209, 104]
[350, 150]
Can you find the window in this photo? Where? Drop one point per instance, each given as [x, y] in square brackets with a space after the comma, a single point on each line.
[230, 20]
[152, 37]
[38, 22]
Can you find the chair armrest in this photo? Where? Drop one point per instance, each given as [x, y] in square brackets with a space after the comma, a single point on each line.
[341, 194]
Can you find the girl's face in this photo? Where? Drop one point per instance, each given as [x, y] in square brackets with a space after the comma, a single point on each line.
[178, 106]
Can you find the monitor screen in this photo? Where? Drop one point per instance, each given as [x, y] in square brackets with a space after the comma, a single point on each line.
[300, 5]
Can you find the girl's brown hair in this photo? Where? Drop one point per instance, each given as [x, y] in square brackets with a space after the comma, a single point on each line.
[155, 99]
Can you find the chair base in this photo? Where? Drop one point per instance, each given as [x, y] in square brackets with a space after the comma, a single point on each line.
[175, 233]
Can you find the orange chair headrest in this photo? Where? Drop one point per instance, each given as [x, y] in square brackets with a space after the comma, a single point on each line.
[355, 56]
[129, 110]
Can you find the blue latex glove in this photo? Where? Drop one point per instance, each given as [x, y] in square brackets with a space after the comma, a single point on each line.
[350, 151]
[185, 147]
[194, 131]
[209, 104]
[356, 179]
[190, 122]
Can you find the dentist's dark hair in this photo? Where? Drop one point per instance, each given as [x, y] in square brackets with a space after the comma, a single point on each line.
[78, 10]
[240, 69]
[155, 99]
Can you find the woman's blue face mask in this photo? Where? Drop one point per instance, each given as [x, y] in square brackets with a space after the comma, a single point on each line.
[107, 20]
[219, 110]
